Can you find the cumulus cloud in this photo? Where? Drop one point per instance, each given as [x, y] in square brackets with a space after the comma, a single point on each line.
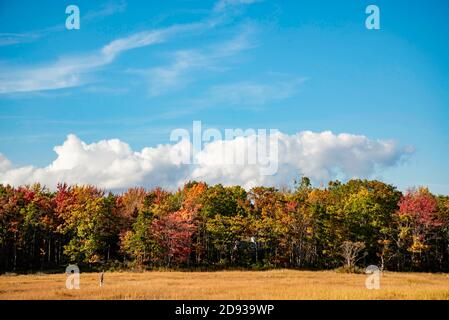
[109, 164]
[5, 164]
[112, 164]
[321, 156]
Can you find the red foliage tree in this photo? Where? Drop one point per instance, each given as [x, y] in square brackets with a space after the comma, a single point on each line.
[174, 233]
[420, 206]
[418, 218]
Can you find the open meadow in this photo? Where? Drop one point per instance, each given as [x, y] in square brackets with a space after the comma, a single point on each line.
[234, 285]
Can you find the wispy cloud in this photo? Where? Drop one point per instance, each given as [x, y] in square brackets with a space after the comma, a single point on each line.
[9, 38]
[106, 90]
[74, 71]
[105, 10]
[12, 38]
[69, 72]
[223, 5]
[178, 73]
[252, 94]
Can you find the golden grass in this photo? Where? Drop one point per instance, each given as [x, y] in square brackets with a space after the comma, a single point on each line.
[234, 285]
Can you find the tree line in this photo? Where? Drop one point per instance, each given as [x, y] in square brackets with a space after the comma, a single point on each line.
[352, 224]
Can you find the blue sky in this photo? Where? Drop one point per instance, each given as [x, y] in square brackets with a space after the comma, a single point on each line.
[137, 70]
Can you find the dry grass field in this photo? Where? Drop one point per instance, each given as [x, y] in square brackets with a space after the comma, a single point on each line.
[276, 284]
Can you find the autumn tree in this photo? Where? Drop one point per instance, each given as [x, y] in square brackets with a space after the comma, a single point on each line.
[90, 222]
[129, 204]
[418, 222]
[225, 226]
[139, 243]
[350, 251]
[173, 233]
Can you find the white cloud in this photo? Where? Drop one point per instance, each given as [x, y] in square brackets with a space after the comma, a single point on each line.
[5, 164]
[75, 71]
[108, 164]
[321, 156]
[112, 164]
